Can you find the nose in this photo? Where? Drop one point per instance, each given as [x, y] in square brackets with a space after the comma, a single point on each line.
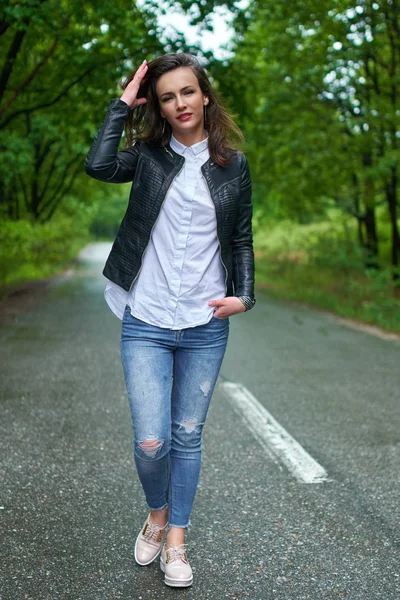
[180, 102]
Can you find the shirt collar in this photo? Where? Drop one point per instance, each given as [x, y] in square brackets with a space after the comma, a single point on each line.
[180, 148]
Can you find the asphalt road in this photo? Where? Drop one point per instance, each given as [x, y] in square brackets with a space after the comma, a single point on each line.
[71, 502]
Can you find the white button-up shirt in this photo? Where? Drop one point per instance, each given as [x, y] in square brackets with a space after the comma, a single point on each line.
[181, 267]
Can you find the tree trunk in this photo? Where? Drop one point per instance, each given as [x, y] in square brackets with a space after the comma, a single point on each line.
[357, 210]
[371, 233]
[371, 239]
[391, 195]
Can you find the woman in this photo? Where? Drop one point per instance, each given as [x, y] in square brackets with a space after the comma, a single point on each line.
[182, 264]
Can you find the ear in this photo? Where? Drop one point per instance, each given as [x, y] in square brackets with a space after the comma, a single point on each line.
[206, 100]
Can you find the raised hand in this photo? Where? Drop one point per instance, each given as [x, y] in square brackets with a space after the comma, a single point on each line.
[132, 89]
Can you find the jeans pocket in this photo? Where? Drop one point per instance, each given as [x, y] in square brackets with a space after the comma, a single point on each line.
[221, 321]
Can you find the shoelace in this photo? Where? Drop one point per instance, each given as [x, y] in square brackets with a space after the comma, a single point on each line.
[178, 552]
[152, 531]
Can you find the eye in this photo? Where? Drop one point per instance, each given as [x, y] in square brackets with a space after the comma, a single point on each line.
[189, 92]
[166, 98]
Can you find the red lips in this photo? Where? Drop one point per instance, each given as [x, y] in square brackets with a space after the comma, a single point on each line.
[184, 116]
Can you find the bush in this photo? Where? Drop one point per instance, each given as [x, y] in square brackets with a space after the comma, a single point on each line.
[322, 264]
[31, 250]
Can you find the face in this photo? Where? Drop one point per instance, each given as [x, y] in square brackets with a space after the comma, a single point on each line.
[182, 102]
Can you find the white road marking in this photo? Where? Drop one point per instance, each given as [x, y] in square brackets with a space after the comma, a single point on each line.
[272, 436]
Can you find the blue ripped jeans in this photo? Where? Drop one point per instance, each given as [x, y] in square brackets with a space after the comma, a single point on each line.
[170, 377]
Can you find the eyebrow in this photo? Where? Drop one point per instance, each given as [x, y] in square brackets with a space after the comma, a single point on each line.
[182, 89]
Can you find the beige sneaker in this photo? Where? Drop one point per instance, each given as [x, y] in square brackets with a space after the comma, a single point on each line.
[175, 565]
[148, 542]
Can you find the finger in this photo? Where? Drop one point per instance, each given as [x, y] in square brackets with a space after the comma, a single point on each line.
[142, 66]
[137, 80]
[142, 69]
[218, 302]
[139, 75]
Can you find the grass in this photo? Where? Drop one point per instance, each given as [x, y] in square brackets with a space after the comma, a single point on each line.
[364, 296]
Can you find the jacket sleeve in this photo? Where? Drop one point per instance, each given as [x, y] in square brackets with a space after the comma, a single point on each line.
[242, 239]
[104, 162]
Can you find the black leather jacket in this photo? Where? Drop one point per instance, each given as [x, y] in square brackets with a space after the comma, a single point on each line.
[152, 171]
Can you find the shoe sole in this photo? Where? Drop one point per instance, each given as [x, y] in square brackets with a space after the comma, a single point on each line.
[175, 582]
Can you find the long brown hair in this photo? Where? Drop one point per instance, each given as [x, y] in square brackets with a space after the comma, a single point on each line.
[145, 122]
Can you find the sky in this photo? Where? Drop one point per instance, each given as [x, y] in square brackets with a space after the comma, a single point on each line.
[207, 40]
[178, 20]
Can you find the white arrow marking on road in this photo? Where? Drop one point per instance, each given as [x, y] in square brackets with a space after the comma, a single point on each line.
[273, 437]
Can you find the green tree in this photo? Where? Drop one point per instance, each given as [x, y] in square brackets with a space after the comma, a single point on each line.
[316, 86]
[61, 67]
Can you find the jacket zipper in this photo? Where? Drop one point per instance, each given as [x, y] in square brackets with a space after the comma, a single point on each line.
[155, 222]
[222, 262]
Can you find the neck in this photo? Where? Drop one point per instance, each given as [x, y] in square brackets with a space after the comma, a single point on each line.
[191, 137]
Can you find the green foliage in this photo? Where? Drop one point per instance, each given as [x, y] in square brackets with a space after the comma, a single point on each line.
[64, 63]
[315, 86]
[30, 250]
[108, 210]
[321, 265]
[327, 242]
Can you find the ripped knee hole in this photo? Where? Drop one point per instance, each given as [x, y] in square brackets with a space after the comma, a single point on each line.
[151, 446]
